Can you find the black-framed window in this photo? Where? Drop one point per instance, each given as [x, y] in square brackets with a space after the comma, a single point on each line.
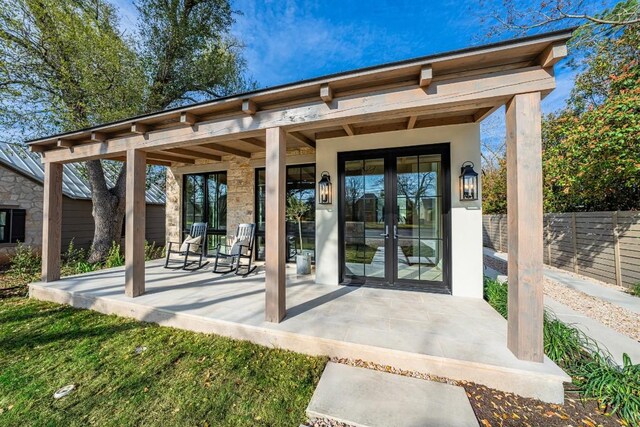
[204, 199]
[301, 183]
[12, 225]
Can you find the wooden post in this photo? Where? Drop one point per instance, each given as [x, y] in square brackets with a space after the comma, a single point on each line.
[525, 223]
[616, 248]
[275, 258]
[135, 222]
[52, 222]
[574, 242]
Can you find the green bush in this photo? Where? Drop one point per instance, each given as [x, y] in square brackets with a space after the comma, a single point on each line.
[616, 388]
[25, 264]
[114, 257]
[151, 251]
[592, 369]
[635, 289]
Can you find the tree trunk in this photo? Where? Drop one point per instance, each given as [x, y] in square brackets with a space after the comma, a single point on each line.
[108, 209]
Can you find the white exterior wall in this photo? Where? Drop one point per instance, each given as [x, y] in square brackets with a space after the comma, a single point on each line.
[466, 217]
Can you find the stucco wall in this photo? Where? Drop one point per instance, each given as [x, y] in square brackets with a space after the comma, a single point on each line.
[466, 217]
[19, 192]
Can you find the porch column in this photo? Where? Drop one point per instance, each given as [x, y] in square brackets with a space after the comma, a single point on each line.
[275, 225]
[524, 215]
[52, 222]
[135, 222]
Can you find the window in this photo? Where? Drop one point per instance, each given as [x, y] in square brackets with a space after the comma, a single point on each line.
[205, 200]
[12, 225]
[301, 183]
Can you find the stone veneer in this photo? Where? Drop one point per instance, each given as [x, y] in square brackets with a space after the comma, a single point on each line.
[240, 188]
[19, 192]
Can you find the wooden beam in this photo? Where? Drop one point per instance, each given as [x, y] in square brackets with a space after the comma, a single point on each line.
[426, 75]
[326, 93]
[98, 136]
[525, 222]
[225, 149]
[64, 143]
[187, 118]
[552, 54]
[168, 158]
[254, 141]
[52, 222]
[194, 154]
[303, 139]
[139, 128]
[158, 162]
[249, 107]
[37, 148]
[349, 129]
[458, 94]
[411, 123]
[275, 245]
[135, 223]
[483, 113]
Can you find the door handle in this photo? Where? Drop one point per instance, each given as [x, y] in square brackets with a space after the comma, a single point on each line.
[386, 232]
[395, 231]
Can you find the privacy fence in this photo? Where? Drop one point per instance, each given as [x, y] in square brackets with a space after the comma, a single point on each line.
[602, 245]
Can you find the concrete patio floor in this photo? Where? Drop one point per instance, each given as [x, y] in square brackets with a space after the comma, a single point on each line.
[454, 337]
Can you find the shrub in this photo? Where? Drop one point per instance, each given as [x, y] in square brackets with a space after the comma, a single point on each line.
[151, 251]
[25, 264]
[635, 289]
[114, 257]
[616, 388]
[496, 295]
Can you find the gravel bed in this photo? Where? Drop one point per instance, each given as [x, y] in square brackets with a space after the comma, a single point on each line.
[611, 315]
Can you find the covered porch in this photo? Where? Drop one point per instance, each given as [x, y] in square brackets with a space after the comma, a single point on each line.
[454, 337]
[423, 103]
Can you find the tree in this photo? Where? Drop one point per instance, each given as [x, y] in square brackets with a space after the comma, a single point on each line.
[64, 65]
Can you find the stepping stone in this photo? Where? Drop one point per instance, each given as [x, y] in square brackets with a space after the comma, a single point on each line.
[367, 398]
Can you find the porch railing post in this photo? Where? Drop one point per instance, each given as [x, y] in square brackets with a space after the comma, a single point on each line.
[525, 227]
[52, 222]
[135, 222]
[275, 275]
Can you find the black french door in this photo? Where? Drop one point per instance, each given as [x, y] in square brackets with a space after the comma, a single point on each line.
[395, 217]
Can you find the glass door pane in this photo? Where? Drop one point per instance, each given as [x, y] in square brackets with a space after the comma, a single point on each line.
[364, 227]
[418, 220]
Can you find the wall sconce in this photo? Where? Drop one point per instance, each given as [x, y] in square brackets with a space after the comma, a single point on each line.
[468, 182]
[324, 189]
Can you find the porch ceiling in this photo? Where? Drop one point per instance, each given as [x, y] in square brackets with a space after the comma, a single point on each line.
[456, 87]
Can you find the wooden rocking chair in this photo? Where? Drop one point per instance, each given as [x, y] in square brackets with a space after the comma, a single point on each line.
[193, 246]
[230, 259]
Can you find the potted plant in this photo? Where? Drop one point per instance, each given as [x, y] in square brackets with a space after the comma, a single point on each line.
[296, 209]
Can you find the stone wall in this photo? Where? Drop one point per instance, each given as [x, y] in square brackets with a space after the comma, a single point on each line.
[240, 188]
[19, 192]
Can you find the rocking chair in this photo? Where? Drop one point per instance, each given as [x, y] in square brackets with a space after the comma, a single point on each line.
[230, 259]
[193, 246]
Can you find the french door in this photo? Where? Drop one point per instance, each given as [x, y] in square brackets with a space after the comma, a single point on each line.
[394, 217]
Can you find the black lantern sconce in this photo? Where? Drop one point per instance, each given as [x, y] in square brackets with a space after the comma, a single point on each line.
[324, 189]
[468, 182]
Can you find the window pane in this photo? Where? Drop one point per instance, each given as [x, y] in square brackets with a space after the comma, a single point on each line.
[4, 227]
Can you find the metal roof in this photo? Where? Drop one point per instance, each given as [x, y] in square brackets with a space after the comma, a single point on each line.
[74, 184]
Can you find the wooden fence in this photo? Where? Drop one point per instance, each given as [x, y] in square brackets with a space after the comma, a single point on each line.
[602, 245]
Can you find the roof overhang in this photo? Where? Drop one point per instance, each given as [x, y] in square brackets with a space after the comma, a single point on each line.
[454, 87]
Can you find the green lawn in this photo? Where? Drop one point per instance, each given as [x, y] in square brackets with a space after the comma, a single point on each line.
[183, 378]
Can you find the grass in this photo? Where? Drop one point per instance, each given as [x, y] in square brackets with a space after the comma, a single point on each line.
[181, 379]
[635, 290]
[594, 374]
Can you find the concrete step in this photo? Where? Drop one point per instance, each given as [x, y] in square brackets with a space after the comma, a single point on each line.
[366, 398]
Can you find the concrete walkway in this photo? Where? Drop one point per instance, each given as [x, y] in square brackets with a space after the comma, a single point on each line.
[609, 339]
[366, 398]
[589, 287]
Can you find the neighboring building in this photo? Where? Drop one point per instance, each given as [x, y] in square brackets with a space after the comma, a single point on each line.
[21, 195]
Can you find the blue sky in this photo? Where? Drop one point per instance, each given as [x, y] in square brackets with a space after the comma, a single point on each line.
[289, 40]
